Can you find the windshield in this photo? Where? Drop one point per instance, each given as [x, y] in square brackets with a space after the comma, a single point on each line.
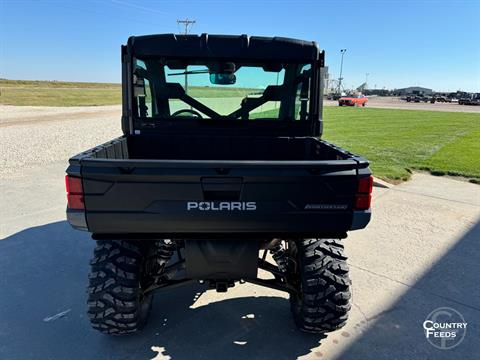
[174, 89]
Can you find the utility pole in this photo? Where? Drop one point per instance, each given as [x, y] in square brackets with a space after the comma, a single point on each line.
[366, 80]
[188, 24]
[342, 51]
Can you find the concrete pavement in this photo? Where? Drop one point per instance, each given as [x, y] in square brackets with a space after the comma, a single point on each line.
[419, 253]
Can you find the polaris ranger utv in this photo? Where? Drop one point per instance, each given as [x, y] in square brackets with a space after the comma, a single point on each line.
[219, 173]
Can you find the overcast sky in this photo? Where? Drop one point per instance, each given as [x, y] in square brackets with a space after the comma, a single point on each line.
[434, 44]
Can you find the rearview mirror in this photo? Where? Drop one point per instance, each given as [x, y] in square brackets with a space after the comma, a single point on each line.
[223, 78]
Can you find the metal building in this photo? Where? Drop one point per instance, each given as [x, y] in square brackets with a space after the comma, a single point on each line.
[413, 90]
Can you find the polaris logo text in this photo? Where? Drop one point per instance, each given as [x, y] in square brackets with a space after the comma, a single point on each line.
[222, 206]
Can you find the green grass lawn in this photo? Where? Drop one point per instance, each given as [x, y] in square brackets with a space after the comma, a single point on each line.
[218, 92]
[395, 141]
[59, 93]
[398, 141]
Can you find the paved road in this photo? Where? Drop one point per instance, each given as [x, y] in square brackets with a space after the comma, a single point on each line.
[390, 102]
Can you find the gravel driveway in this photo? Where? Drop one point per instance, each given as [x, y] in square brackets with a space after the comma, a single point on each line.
[33, 136]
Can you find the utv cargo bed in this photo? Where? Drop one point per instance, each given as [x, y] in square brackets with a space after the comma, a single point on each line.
[206, 186]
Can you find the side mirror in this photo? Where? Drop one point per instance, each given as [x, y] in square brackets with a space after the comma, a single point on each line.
[223, 78]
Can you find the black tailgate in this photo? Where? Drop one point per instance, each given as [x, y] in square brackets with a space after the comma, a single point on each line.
[206, 197]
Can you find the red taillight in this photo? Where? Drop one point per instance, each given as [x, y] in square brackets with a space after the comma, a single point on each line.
[365, 185]
[362, 202]
[363, 198]
[75, 202]
[74, 192]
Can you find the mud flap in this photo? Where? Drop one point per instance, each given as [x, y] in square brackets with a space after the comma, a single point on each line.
[221, 259]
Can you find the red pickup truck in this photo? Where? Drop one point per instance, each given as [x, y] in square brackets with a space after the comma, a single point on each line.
[352, 101]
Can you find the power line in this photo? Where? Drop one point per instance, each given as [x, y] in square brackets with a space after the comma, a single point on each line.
[187, 23]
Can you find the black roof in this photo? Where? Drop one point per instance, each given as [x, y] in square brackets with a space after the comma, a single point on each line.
[223, 46]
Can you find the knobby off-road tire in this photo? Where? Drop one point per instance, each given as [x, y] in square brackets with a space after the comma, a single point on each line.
[116, 303]
[323, 301]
